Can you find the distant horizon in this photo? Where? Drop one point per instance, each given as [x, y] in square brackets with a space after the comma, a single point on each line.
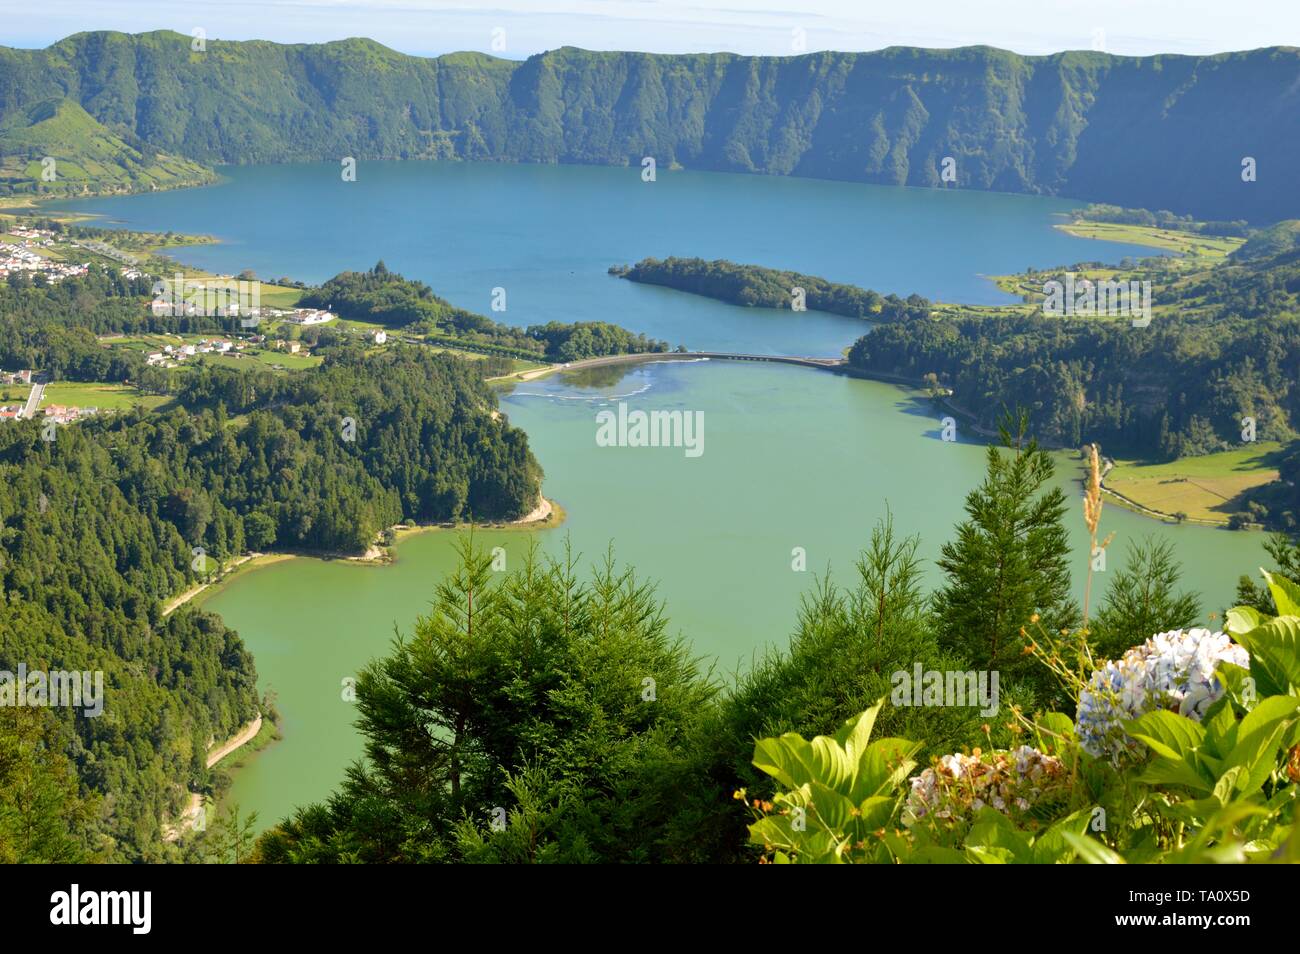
[518, 29]
[591, 49]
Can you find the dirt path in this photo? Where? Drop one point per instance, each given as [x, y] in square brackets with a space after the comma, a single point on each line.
[541, 512]
[527, 375]
[194, 808]
[182, 599]
[245, 735]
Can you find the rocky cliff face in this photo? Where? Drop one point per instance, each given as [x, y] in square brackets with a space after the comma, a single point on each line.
[1156, 132]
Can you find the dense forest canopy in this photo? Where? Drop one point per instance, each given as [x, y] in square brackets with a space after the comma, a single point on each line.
[387, 298]
[87, 156]
[1227, 348]
[85, 569]
[1163, 131]
[102, 525]
[756, 286]
[1161, 219]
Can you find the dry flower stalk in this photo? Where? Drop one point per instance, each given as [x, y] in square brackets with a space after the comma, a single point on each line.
[1092, 504]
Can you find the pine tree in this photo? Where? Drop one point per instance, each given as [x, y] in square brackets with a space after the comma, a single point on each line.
[43, 818]
[1010, 558]
[530, 716]
[1286, 562]
[1140, 600]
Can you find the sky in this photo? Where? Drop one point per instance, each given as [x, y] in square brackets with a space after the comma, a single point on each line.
[520, 28]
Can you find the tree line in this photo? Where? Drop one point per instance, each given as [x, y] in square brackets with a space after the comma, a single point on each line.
[756, 286]
[387, 298]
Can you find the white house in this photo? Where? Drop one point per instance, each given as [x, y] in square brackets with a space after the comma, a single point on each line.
[310, 316]
[381, 337]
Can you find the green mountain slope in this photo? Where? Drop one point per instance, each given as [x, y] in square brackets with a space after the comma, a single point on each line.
[1277, 239]
[87, 156]
[1154, 132]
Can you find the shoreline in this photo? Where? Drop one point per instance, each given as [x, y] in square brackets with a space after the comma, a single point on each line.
[547, 515]
[194, 807]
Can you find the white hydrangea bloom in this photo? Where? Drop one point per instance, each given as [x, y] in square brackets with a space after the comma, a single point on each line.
[959, 785]
[1173, 670]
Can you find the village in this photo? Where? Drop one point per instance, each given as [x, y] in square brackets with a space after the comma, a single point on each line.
[30, 407]
[280, 337]
[23, 257]
[37, 254]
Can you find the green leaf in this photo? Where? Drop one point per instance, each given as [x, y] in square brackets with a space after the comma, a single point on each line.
[876, 811]
[991, 856]
[883, 767]
[1167, 733]
[831, 765]
[855, 734]
[773, 830]
[1260, 736]
[821, 848]
[1051, 847]
[993, 830]
[1274, 649]
[1224, 853]
[833, 809]
[778, 758]
[1290, 852]
[1178, 772]
[1272, 709]
[1226, 786]
[1057, 724]
[1286, 595]
[1192, 812]
[1220, 728]
[1090, 851]
[1243, 619]
[1221, 821]
[1239, 685]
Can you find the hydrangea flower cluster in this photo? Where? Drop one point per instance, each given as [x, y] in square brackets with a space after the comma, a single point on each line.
[1173, 670]
[960, 785]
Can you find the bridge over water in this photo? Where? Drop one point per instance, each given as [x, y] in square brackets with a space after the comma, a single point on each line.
[825, 363]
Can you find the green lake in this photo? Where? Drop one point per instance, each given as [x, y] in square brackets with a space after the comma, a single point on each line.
[793, 457]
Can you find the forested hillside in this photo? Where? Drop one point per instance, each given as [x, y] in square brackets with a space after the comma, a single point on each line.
[85, 570]
[387, 298]
[1225, 346]
[101, 525]
[1159, 132]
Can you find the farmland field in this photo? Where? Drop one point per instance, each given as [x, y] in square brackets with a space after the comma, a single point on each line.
[102, 395]
[1204, 488]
